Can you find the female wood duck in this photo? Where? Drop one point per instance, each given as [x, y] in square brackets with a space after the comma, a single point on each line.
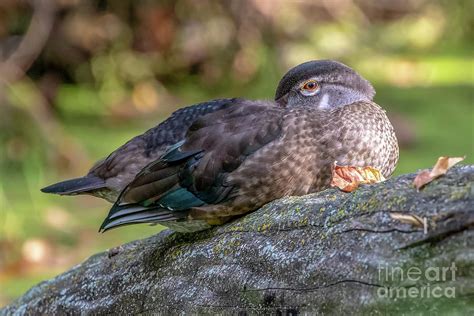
[236, 159]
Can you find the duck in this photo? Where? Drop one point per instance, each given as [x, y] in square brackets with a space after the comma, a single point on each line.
[236, 159]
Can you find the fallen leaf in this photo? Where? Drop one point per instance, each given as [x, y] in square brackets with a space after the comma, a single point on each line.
[348, 178]
[414, 220]
[440, 168]
[422, 178]
[411, 219]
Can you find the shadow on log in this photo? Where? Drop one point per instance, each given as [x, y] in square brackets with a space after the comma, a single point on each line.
[329, 252]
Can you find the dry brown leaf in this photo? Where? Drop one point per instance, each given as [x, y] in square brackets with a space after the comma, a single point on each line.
[411, 219]
[441, 167]
[414, 220]
[348, 178]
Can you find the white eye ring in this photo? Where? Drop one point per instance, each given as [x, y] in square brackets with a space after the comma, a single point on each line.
[309, 88]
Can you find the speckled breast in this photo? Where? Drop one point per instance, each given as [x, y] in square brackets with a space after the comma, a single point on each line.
[366, 137]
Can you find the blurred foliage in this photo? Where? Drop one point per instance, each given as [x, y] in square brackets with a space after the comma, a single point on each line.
[111, 69]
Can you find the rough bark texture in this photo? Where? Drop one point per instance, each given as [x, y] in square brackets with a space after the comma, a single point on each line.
[327, 252]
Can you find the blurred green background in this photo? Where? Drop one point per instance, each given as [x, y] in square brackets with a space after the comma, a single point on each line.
[79, 78]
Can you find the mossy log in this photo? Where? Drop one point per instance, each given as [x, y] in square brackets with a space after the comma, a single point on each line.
[330, 252]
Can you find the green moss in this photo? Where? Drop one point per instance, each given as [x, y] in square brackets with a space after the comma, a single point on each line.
[461, 193]
[176, 252]
[397, 200]
[304, 221]
[264, 227]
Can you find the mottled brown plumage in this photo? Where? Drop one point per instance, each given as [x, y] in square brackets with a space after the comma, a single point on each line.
[235, 160]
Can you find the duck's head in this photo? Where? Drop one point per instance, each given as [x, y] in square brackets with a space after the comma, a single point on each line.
[323, 84]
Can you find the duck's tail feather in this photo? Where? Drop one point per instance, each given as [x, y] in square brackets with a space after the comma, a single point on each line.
[128, 214]
[75, 186]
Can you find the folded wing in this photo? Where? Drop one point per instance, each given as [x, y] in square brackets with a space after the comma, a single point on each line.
[109, 176]
[193, 172]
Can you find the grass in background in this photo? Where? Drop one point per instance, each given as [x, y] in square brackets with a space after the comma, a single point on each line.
[443, 122]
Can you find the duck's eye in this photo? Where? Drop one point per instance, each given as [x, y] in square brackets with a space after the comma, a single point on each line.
[309, 88]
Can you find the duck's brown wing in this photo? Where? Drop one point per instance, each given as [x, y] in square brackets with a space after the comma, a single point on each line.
[113, 173]
[193, 172]
[142, 149]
